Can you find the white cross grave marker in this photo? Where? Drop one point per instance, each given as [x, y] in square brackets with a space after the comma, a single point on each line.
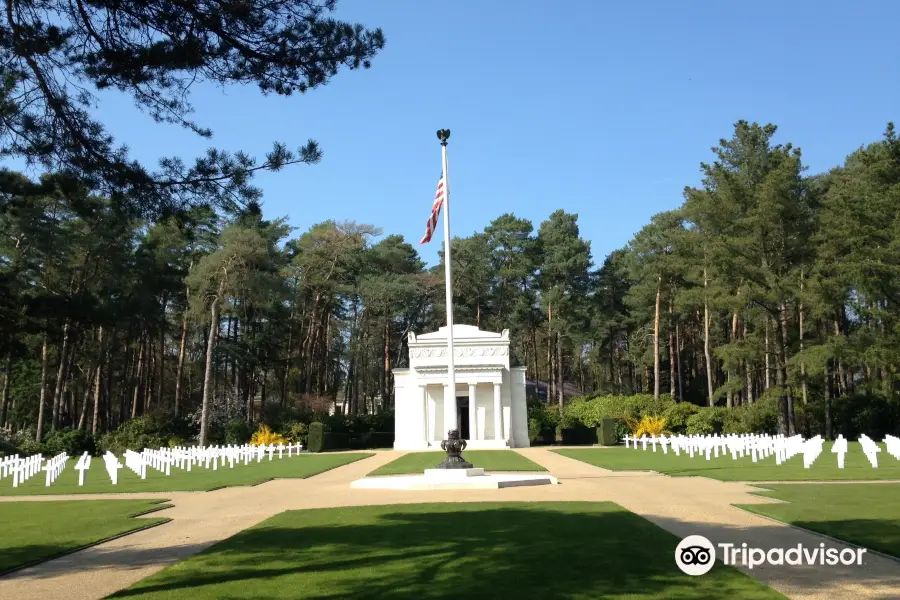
[840, 448]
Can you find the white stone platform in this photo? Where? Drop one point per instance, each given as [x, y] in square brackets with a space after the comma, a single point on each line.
[454, 479]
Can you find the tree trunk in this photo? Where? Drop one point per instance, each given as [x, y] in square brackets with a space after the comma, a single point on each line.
[7, 374]
[86, 399]
[60, 373]
[768, 354]
[323, 370]
[672, 366]
[841, 379]
[126, 374]
[162, 361]
[802, 363]
[235, 379]
[308, 346]
[550, 372]
[97, 379]
[179, 371]
[69, 405]
[785, 426]
[706, 352]
[560, 382]
[829, 429]
[290, 346]
[782, 348]
[656, 337]
[731, 372]
[386, 392]
[581, 373]
[138, 374]
[678, 361]
[43, 400]
[208, 367]
[748, 371]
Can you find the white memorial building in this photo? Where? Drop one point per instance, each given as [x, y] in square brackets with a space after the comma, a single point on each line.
[488, 405]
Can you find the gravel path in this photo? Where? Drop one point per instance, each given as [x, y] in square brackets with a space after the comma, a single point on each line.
[681, 505]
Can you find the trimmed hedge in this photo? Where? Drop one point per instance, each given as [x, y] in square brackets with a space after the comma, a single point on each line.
[335, 440]
[578, 435]
[373, 439]
[316, 437]
[606, 433]
[320, 439]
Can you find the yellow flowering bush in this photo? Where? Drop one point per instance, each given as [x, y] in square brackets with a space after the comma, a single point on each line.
[649, 425]
[266, 436]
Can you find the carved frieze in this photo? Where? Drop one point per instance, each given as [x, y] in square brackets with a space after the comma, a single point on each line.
[464, 352]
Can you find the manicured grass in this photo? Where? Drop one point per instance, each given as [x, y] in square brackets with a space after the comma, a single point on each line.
[576, 550]
[97, 481]
[866, 514]
[825, 468]
[36, 531]
[489, 460]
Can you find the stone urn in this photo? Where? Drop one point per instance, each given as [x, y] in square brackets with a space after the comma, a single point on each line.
[454, 446]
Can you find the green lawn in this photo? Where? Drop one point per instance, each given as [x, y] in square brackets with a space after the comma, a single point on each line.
[36, 531]
[489, 460]
[576, 550]
[866, 514]
[96, 481]
[825, 468]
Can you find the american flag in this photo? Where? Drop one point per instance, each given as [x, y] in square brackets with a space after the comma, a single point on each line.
[431, 225]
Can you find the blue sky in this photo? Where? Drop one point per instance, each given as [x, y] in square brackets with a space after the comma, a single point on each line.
[599, 108]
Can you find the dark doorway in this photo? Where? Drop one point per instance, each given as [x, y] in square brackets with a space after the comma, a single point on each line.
[462, 416]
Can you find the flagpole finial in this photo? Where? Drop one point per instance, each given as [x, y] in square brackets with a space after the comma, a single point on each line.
[443, 135]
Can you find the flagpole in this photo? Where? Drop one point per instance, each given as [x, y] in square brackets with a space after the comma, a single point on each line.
[450, 395]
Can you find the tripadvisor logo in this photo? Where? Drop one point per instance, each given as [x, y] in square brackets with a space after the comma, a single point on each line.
[695, 555]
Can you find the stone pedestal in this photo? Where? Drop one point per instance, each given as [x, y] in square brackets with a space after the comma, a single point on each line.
[452, 474]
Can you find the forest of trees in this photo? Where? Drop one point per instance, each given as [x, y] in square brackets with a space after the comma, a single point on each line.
[128, 291]
[765, 283]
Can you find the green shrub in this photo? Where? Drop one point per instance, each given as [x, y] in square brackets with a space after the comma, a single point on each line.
[865, 412]
[29, 446]
[316, 437]
[760, 417]
[590, 411]
[708, 421]
[73, 442]
[296, 431]
[146, 431]
[678, 414]
[237, 432]
[542, 422]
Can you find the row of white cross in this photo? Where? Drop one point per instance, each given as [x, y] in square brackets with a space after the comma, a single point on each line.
[22, 469]
[162, 460]
[763, 446]
[55, 466]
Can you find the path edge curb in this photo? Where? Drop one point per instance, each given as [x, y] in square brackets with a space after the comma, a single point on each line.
[146, 526]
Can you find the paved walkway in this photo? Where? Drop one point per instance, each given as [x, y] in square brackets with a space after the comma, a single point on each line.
[682, 505]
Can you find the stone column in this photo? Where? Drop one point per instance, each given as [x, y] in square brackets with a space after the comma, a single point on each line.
[473, 431]
[432, 417]
[424, 406]
[498, 430]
